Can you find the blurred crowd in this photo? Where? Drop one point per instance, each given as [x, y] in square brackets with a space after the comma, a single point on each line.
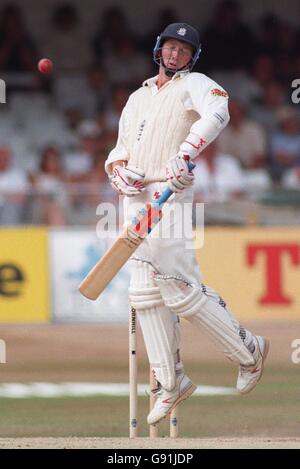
[56, 130]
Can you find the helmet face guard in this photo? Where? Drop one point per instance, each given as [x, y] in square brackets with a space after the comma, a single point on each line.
[184, 33]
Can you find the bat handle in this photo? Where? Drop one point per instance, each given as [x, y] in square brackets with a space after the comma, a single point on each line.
[167, 192]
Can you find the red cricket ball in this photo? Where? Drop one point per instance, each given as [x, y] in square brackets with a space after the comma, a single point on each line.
[45, 65]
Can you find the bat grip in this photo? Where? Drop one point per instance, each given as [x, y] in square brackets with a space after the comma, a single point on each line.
[167, 192]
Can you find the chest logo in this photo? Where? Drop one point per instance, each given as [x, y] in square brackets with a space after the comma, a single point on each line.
[140, 131]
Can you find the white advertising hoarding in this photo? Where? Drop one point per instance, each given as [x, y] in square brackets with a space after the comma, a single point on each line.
[72, 254]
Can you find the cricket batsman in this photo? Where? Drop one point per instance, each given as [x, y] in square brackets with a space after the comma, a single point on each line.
[166, 123]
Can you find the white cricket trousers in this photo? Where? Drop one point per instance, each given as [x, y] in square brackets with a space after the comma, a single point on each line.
[168, 248]
[170, 252]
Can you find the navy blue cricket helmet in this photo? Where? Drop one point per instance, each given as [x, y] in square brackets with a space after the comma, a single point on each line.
[182, 32]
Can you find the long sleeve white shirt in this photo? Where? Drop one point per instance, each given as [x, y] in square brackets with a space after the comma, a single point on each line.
[185, 114]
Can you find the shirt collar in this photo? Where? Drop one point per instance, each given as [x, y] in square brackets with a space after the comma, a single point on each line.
[153, 80]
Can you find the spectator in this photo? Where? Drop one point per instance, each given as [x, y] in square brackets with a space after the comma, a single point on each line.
[264, 112]
[71, 122]
[73, 118]
[13, 190]
[285, 142]
[218, 177]
[120, 96]
[297, 67]
[125, 65]
[88, 92]
[239, 84]
[291, 178]
[228, 43]
[96, 91]
[17, 50]
[50, 197]
[165, 16]
[67, 45]
[98, 186]
[268, 35]
[287, 53]
[243, 138]
[79, 163]
[263, 71]
[113, 30]
[98, 174]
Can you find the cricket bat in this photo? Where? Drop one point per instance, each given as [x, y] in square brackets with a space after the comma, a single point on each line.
[124, 246]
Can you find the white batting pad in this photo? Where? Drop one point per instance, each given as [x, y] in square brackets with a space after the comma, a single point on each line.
[143, 291]
[204, 308]
[160, 326]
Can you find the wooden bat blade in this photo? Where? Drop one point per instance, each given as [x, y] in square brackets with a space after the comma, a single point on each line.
[108, 266]
[117, 255]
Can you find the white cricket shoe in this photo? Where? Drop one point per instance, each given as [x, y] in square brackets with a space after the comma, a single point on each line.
[166, 401]
[250, 375]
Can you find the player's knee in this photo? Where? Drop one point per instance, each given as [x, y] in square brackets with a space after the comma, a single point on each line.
[141, 299]
[181, 297]
[143, 293]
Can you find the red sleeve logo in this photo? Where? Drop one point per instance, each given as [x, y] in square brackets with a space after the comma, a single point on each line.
[217, 92]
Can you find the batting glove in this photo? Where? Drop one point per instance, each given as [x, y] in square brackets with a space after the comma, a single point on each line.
[178, 174]
[127, 180]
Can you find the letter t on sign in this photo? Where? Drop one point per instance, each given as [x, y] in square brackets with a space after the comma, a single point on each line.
[274, 254]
